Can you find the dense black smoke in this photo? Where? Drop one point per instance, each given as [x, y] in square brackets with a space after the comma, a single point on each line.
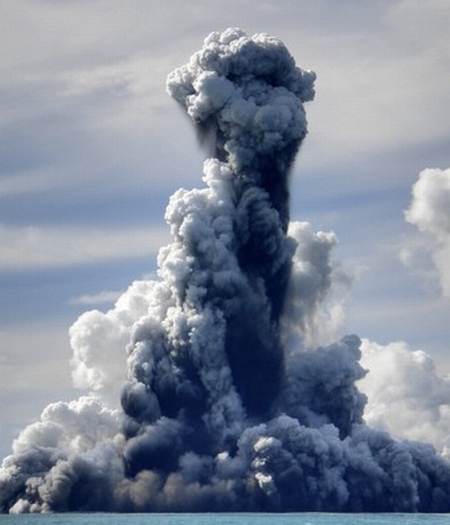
[224, 407]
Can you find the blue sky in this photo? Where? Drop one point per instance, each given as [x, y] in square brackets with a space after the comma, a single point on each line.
[91, 148]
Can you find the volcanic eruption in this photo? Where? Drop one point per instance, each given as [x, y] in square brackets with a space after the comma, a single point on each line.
[223, 405]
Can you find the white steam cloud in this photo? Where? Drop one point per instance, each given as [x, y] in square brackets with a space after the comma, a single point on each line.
[226, 401]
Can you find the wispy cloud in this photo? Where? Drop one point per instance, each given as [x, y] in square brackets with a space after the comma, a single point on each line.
[106, 296]
[35, 247]
[31, 181]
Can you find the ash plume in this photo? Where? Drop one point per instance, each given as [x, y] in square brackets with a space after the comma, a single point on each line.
[222, 405]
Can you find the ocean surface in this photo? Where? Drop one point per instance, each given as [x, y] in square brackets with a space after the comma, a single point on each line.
[225, 519]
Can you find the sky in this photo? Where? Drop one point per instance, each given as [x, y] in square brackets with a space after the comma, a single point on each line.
[92, 147]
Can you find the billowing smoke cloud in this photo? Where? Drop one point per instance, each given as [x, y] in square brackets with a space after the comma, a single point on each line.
[224, 402]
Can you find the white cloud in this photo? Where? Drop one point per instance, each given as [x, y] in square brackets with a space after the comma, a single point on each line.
[33, 247]
[429, 211]
[407, 396]
[34, 367]
[430, 208]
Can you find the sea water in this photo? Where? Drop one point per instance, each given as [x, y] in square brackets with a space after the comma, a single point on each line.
[225, 519]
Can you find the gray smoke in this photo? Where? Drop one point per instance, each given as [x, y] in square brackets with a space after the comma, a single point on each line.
[224, 407]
